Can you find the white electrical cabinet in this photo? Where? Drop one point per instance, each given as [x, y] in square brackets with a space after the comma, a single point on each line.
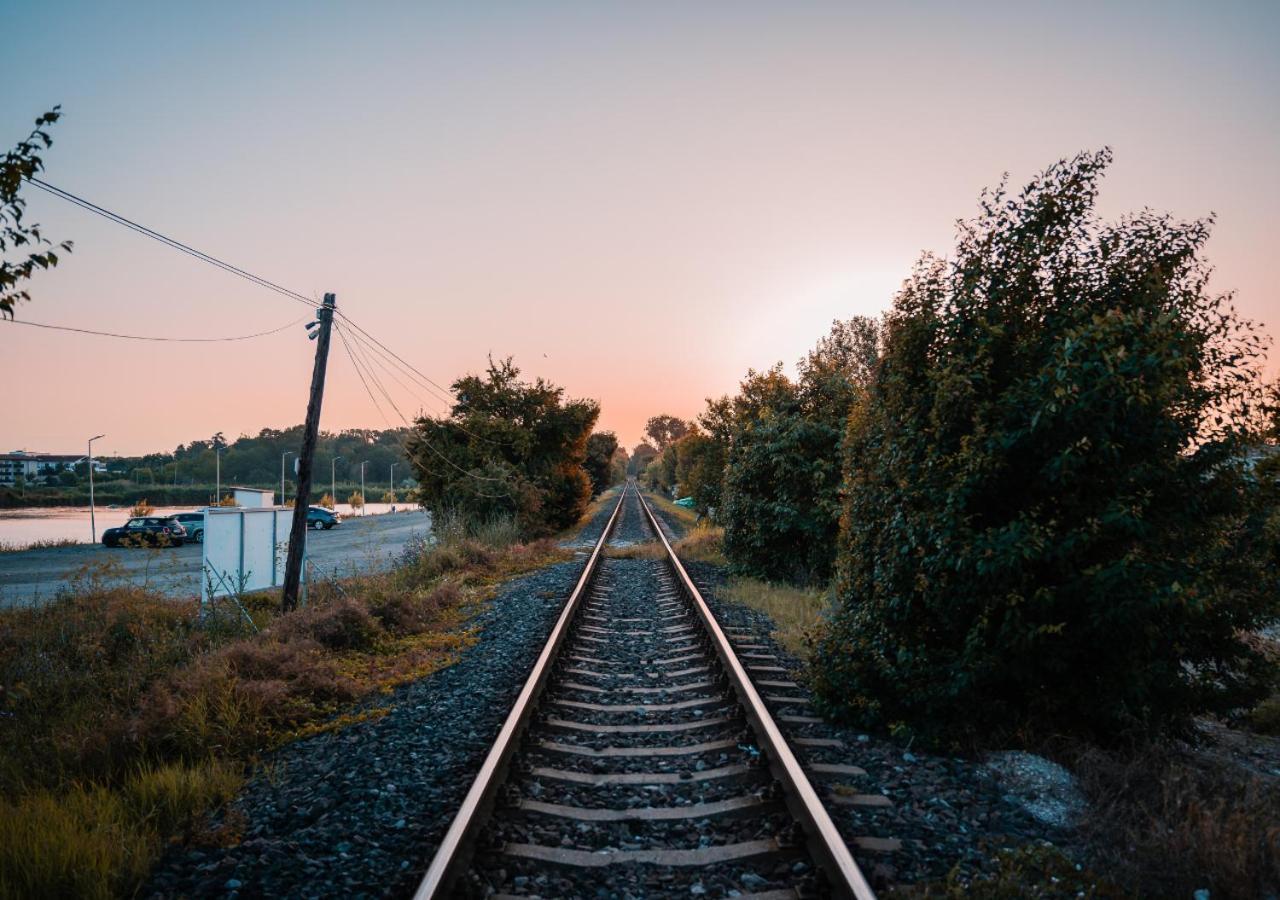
[244, 549]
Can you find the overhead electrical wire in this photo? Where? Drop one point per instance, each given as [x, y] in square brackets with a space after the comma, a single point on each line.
[382, 389]
[170, 242]
[364, 341]
[372, 353]
[356, 366]
[388, 350]
[143, 337]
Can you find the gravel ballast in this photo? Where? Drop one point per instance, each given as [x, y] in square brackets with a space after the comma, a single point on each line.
[951, 813]
[359, 812]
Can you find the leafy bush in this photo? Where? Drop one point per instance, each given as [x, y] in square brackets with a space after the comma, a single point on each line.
[700, 469]
[599, 462]
[509, 448]
[1047, 529]
[781, 506]
[17, 235]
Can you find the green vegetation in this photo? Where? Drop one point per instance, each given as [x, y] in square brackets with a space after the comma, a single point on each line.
[796, 612]
[664, 430]
[1048, 525]
[128, 716]
[766, 463]
[602, 448]
[509, 449]
[16, 234]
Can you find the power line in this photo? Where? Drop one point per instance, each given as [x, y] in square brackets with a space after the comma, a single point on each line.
[377, 382]
[384, 347]
[440, 394]
[366, 342]
[356, 366]
[422, 438]
[168, 241]
[372, 353]
[140, 337]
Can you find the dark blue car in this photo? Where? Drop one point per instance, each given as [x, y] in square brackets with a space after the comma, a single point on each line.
[318, 517]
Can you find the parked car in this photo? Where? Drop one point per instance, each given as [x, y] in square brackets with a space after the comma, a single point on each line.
[318, 517]
[160, 531]
[193, 523]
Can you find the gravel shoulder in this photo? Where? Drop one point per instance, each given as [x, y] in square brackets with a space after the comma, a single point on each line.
[950, 813]
[359, 812]
[358, 545]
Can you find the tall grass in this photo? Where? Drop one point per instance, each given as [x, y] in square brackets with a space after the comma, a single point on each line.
[44, 544]
[127, 716]
[795, 612]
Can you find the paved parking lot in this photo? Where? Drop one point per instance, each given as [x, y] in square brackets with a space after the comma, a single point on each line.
[357, 545]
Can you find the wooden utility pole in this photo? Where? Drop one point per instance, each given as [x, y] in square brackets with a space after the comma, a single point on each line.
[302, 498]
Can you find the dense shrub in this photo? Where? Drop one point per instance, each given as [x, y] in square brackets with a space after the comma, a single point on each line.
[601, 447]
[509, 448]
[641, 456]
[781, 505]
[1047, 529]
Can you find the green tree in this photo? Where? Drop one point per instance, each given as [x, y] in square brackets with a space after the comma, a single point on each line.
[1047, 527]
[16, 235]
[599, 461]
[781, 489]
[664, 430]
[508, 448]
[641, 456]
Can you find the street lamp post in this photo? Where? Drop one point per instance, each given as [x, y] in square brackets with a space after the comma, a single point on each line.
[283, 456]
[333, 479]
[93, 524]
[217, 490]
[393, 478]
[363, 501]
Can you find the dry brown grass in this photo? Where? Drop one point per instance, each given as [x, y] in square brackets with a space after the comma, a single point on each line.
[795, 611]
[1169, 821]
[46, 544]
[703, 544]
[641, 550]
[114, 693]
[686, 517]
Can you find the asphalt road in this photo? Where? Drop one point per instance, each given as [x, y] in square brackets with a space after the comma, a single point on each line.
[357, 545]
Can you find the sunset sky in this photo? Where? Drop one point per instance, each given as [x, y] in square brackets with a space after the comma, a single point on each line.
[638, 201]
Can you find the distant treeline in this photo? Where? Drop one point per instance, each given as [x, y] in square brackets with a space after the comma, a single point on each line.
[188, 474]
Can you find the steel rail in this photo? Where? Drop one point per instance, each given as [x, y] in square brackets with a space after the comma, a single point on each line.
[824, 840]
[454, 850]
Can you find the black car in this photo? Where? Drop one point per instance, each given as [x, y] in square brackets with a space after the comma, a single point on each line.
[193, 523]
[159, 531]
[318, 517]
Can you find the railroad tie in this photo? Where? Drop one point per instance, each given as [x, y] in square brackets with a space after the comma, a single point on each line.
[606, 779]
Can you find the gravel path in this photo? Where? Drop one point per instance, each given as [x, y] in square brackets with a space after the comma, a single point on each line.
[948, 812]
[639, 754]
[359, 812]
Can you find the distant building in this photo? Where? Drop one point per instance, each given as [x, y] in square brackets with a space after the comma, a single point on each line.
[252, 498]
[35, 467]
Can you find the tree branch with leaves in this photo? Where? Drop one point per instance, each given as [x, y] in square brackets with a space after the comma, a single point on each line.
[24, 240]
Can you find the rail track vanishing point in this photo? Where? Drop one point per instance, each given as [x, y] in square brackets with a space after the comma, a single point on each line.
[639, 758]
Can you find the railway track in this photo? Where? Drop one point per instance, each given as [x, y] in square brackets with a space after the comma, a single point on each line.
[640, 759]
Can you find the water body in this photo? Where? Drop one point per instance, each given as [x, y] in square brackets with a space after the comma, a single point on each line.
[25, 526]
